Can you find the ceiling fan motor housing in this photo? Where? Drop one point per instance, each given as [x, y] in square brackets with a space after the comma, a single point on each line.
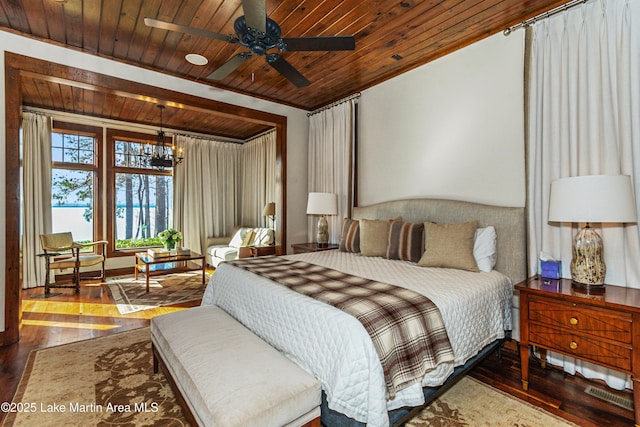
[257, 41]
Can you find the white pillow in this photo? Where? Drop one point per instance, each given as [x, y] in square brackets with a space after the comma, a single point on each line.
[484, 248]
[238, 237]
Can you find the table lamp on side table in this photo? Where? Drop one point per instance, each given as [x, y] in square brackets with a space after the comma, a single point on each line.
[322, 204]
[592, 198]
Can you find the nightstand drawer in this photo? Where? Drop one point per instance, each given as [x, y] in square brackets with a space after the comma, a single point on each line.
[580, 346]
[581, 319]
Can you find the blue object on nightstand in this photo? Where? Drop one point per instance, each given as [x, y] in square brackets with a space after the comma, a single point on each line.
[552, 285]
[551, 269]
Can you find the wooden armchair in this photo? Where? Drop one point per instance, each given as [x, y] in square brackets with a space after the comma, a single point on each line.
[55, 246]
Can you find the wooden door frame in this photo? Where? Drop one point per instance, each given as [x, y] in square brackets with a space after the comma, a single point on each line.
[17, 66]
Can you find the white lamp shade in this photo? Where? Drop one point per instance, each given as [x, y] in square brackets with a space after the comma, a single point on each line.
[592, 198]
[322, 204]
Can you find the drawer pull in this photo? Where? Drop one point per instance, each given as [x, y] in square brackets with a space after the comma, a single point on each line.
[573, 321]
[573, 345]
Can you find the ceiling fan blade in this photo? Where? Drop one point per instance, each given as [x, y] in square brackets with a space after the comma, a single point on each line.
[319, 43]
[255, 14]
[287, 70]
[170, 26]
[225, 69]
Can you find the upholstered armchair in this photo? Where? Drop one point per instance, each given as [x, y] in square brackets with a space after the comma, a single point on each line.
[55, 247]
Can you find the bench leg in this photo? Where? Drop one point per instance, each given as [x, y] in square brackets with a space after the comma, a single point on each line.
[155, 359]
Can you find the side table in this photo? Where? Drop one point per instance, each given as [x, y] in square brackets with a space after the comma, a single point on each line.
[256, 251]
[603, 329]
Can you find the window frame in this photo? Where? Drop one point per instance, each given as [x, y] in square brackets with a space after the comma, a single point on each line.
[114, 135]
[97, 169]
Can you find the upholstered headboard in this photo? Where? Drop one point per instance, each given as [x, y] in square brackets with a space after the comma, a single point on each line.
[509, 223]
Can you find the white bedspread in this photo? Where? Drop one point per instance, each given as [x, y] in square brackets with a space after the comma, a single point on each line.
[334, 346]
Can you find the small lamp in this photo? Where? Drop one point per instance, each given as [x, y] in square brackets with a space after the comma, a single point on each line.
[592, 198]
[322, 204]
[270, 212]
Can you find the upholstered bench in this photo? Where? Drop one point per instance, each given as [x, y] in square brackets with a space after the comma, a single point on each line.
[225, 376]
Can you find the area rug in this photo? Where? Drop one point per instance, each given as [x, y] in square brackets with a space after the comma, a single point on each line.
[109, 381]
[474, 403]
[131, 295]
[106, 381]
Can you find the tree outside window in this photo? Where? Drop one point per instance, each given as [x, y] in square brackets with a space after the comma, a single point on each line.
[142, 197]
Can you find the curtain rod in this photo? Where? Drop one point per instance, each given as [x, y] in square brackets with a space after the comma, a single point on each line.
[544, 15]
[333, 104]
[266, 132]
[96, 121]
[213, 138]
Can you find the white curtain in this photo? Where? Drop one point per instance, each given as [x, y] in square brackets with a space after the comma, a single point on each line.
[258, 178]
[584, 106]
[331, 139]
[36, 195]
[205, 190]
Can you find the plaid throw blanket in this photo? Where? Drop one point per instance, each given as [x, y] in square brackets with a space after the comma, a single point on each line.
[406, 327]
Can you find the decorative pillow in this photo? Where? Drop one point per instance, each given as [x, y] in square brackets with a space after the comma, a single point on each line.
[248, 238]
[350, 238]
[484, 248]
[406, 241]
[449, 246]
[374, 236]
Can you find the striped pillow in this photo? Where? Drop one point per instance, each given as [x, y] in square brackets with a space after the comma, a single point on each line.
[350, 238]
[406, 241]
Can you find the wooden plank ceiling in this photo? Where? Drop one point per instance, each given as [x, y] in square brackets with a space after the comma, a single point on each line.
[391, 36]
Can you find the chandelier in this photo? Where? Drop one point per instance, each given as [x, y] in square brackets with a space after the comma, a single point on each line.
[162, 156]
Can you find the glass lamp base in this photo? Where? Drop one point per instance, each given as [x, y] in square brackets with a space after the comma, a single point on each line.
[587, 265]
[323, 232]
[588, 289]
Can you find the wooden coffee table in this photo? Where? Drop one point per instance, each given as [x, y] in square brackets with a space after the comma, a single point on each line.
[155, 266]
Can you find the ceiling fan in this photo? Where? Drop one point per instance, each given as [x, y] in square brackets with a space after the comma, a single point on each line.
[259, 33]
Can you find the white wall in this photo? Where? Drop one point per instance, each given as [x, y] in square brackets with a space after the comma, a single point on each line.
[297, 125]
[452, 128]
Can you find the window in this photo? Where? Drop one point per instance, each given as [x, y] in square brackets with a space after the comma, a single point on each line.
[139, 200]
[74, 185]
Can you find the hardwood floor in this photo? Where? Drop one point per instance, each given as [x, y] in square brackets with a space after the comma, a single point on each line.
[68, 318]
[554, 390]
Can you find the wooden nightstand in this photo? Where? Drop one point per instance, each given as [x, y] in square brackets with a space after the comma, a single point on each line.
[300, 248]
[256, 251]
[602, 329]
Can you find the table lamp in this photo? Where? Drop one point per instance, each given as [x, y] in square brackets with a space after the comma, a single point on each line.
[270, 212]
[322, 204]
[588, 199]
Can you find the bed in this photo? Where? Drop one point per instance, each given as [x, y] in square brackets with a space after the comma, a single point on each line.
[334, 346]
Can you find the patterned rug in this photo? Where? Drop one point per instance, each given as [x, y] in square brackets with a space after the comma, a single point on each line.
[474, 403]
[106, 381]
[109, 381]
[131, 295]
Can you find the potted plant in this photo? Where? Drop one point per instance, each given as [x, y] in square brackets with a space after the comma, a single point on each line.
[170, 237]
